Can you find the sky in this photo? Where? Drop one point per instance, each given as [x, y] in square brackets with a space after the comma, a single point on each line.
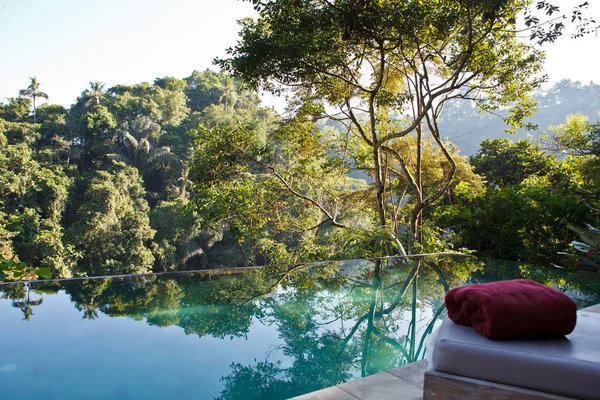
[68, 43]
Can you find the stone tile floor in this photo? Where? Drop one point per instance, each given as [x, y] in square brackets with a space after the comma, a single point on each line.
[402, 383]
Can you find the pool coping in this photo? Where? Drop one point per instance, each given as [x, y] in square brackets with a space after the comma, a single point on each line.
[236, 270]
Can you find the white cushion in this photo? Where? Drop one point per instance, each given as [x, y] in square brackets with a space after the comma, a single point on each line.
[567, 366]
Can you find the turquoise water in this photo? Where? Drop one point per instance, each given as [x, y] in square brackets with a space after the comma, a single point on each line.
[265, 333]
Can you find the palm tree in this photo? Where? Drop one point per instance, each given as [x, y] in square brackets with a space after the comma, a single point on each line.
[94, 93]
[33, 91]
[141, 155]
[147, 159]
[228, 91]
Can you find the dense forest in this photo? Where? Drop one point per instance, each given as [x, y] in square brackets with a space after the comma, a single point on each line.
[195, 173]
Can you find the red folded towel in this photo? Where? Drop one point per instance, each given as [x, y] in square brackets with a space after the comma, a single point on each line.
[517, 309]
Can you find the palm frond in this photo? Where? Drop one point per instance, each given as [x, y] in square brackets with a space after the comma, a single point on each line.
[194, 252]
[160, 158]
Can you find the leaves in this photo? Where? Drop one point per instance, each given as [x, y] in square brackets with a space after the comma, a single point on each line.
[11, 270]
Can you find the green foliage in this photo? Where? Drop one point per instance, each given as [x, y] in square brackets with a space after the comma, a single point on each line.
[130, 101]
[171, 105]
[576, 136]
[580, 141]
[375, 64]
[11, 270]
[155, 164]
[93, 134]
[178, 237]
[33, 201]
[504, 163]
[204, 89]
[275, 187]
[18, 132]
[17, 109]
[111, 226]
[59, 176]
[195, 173]
[524, 221]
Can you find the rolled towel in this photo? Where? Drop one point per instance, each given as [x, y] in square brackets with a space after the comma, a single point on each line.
[517, 309]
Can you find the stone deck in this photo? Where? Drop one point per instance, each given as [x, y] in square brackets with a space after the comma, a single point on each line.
[402, 383]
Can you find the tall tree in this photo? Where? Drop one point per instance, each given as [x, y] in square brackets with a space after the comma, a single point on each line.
[33, 91]
[385, 70]
[94, 93]
[228, 92]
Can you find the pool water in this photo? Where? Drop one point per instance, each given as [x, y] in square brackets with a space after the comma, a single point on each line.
[263, 333]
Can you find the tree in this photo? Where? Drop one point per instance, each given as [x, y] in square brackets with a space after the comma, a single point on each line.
[54, 142]
[203, 89]
[33, 91]
[504, 163]
[94, 93]
[93, 134]
[385, 70]
[228, 92]
[17, 109]
[33, 201]
[578, 142]
[525, 210]
[128, 102]
[527, 222]
[136, 147]
[179, 239]
[277, 190]
[142, 155]
[576, 137]
[171, 101]
[111, 226]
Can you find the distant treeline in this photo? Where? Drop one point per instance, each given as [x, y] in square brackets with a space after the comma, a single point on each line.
[465, 126]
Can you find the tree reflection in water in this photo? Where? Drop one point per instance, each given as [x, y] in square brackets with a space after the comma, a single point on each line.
[369, 322]
[336, 320]
[26, 305]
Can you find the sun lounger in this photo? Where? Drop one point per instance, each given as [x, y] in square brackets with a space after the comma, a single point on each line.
[465, 365]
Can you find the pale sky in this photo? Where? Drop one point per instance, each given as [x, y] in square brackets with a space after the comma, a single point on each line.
[68, 43]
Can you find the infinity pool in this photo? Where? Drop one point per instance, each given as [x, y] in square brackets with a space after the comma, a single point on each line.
[264, 333]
